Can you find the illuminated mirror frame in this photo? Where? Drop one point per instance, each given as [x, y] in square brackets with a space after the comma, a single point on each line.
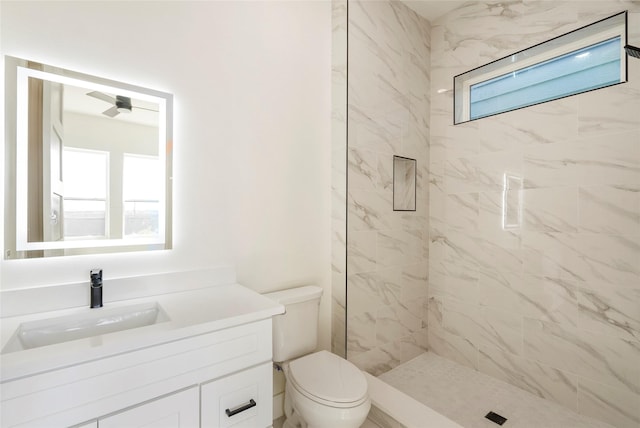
[162, 240]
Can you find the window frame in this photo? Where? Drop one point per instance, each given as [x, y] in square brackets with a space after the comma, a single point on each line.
[125, 200]
[494, 69]
[107, 159]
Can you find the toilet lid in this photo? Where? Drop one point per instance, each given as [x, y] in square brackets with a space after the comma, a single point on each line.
[328, 377]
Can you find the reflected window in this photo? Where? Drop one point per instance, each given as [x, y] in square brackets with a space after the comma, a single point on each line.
[85, 193]
[141, 195]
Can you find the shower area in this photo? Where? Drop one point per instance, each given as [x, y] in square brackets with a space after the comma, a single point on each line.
[548, 306]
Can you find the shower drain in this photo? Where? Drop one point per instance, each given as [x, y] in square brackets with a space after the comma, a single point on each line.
[494, 417]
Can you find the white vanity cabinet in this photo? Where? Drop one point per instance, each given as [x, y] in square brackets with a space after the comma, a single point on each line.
[178, 410]
[186, 382]
[241, 400]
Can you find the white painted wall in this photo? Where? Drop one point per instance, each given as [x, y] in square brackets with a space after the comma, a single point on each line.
[251, 84]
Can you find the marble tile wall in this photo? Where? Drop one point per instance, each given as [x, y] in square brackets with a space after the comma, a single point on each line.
[551, 303]
[387, 251]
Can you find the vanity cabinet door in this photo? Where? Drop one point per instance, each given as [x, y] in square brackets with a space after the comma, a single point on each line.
[179, 410]
[240, 400]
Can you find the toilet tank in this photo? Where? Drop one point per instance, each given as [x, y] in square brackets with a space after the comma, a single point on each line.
[295, 333]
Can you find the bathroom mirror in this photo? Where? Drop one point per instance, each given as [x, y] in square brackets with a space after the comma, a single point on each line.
[88, 164]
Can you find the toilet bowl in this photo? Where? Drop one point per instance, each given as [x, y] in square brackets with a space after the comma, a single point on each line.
[325, 390]
[322, 390]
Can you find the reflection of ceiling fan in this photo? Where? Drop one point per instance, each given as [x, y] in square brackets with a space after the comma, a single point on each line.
[120, 104]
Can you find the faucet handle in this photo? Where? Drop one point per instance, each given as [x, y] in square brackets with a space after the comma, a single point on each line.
[96, 274]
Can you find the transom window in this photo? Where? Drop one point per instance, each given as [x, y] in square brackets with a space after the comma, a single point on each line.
[589, 58]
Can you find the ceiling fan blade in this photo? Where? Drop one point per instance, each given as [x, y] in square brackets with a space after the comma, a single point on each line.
[144, 108]
[101, 96]
[112, 112]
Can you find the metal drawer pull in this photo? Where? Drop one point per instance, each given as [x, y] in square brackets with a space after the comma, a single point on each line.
[237, 410]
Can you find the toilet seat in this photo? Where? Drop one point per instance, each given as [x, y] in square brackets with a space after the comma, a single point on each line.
[329, 380]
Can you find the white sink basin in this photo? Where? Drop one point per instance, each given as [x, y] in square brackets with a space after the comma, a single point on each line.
[92, 322]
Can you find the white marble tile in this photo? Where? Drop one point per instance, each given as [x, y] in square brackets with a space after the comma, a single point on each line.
[551, 209]
[437, 194]
[492, 167]
[370, 210]
[450, 280]
[463, 320]
[406, 347]
[549, 299]
[602, 358]
[361, 333]
[484, 325]
[609, 110]
[500, 290]
[619, 407]
[363, 165]
[610, 209]
[540, 380]
[365, 296]
[414, 281]
[434, 314]
[437, 241]
[461, 211]
[338, 246]
[614, 159]
[393, 322]
[453, 347]
[375, 361]
[502, 329]
[399, 247]
[461, 176]
[552, 255]
[361, 252]
[610, 309]
[461, 141]
[550, 165]
[521, 128]
[390, 284]
[493, 221]
[388, 115]
[608, 258]
[482, 252]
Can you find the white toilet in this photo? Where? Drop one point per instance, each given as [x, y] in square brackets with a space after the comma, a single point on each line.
[322, 390]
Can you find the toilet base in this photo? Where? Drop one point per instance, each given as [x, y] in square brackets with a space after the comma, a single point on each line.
[292, 419]
[323, 416]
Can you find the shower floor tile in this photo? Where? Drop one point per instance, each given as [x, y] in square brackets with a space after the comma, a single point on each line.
[466, 396]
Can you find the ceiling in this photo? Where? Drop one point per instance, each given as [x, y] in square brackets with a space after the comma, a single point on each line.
[432, 9]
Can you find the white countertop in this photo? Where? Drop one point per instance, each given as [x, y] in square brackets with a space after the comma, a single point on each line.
[190, 313]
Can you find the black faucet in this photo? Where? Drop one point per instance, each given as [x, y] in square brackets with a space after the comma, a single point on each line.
[96, 288]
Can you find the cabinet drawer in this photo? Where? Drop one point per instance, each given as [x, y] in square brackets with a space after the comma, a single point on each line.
[178, 410]
[239, 400]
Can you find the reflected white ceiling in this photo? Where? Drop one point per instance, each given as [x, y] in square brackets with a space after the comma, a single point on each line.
[432, 9]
